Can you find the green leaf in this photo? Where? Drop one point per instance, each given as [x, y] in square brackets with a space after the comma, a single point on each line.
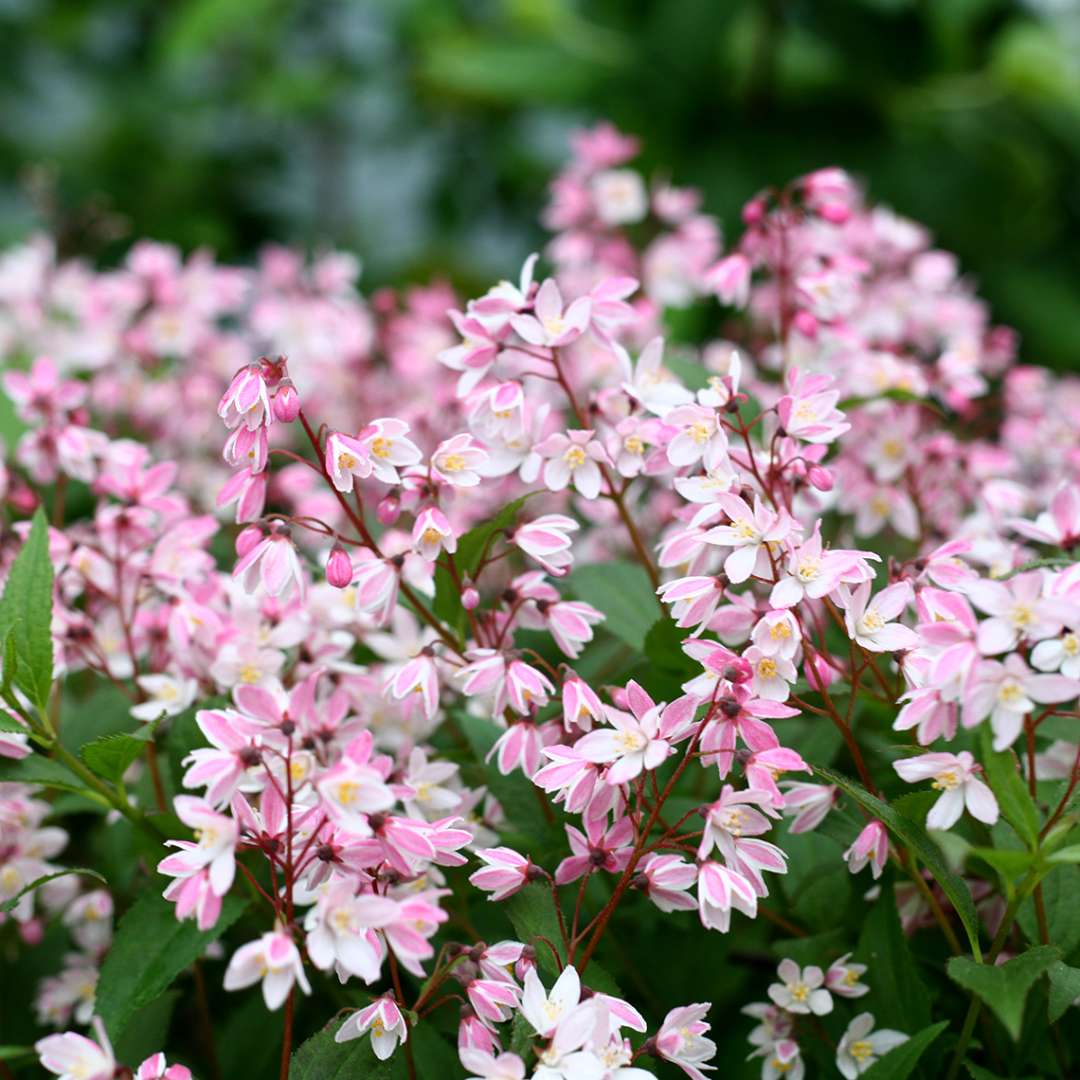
[623, 592]
[1070, 854]
[1004, 988]
[26, 614]
[1003, 774]
[111, 755]
[914, 837]
[668, 666]
[8, 723]
[895, 394]
[899, 1063]
[38, 769]
[1059, 892]
[898, 998]
[1011, 865]
[150, 950]
[471, 550]
[13, 1053]
[1064, 989]
[9, 904]
[320, 1058]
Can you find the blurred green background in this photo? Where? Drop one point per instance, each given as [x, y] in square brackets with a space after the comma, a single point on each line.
[421, 133]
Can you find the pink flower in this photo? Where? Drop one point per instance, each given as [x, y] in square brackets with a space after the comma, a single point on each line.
[156, 1067]
[215, 850]
[457, 459]
[681, 1040]
[573, 458]
[842, 978]
[340, 930]
[505, 873]
[665, 879]
[41, 394]
[808, 804]
[750, 534]
[570, 623]
[1060, 525]
[474, 355]
[1007, 693]
[730, 280]
[384, 445]
[808, 412]
[608, 850]
[274, 563]
[346, 458]
[275, 960]
[719, 890]
[1017, 609]
[698, 437]
[247, 400]
[352, 789]
[955, 776]
[432, 534]
[634, 745]
[550, 325]
[871, 846]
[75, 1057]
[869, 621]
[547, 541]
[384, 1020]
[247, 489]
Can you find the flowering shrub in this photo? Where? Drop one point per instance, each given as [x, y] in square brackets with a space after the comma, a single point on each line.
[498, 688]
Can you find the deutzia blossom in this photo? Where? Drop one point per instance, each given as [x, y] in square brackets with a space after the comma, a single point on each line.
[801, 990]
[956, 777]
[384, 1020]
[861, 1046]
[275, 961]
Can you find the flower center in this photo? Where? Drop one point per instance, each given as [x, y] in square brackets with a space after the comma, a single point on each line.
[574, 457]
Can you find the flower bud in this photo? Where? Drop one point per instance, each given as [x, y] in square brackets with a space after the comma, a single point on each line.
[247, 538]
[339, 568]
[805, 324]
[819, 673]
[470, 598]
[286, 402]
[834, 212]
[388, 510]
[820, 478]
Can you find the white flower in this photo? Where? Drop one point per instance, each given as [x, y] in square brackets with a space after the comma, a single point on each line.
[802, 989]
[861, 1046]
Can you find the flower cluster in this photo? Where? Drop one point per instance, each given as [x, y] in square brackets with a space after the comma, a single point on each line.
[403, 605]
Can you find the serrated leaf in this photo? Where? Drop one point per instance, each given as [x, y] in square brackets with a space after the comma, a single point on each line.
[151, 948]
[1004, 987]
[900, 1062]
[111, 755]
[26, 614]
[38, 769]
[1015, 801]
[1064, 989]
[471, 549]
[623, 592]
[320, 1058]
[82, 871]
[914, 837]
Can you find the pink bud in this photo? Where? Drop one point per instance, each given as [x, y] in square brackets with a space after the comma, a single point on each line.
[22, 499]
[805, 324]
[819, 672]
[835, 212]
[247, 538]
[820, 478]
[470, 598]
[286, 403]
[32, 932]
[339, 568]
[754, 211]
[388, 510]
